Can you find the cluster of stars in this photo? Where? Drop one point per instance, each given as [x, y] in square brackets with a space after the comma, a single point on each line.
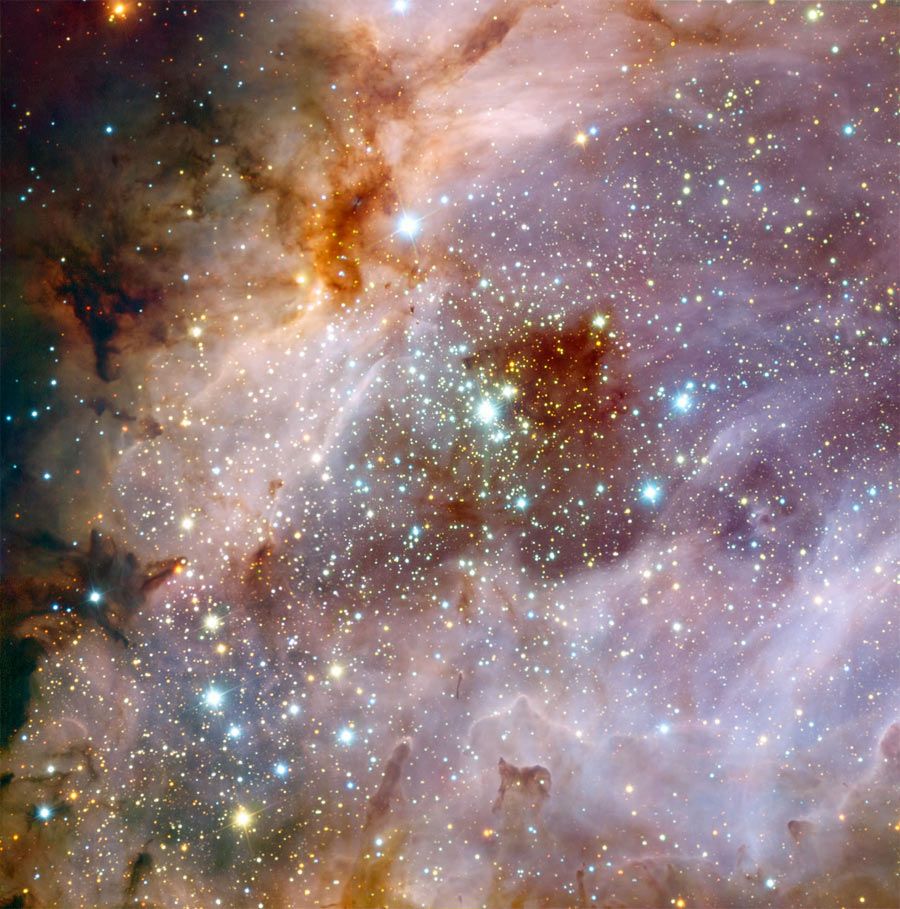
[582, 461]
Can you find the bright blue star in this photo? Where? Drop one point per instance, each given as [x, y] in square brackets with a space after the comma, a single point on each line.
[408, 226]
[650, 493]
[487, 411]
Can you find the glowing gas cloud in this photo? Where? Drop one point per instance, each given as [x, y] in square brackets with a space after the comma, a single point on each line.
[450, 455]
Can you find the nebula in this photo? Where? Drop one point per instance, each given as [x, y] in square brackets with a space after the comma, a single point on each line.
[450, 455]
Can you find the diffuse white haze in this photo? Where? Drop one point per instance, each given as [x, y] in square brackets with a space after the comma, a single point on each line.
[392, 390]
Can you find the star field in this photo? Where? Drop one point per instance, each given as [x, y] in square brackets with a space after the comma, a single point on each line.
[450, 455]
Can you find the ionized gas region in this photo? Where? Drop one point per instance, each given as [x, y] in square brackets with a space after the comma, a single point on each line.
[450, 455]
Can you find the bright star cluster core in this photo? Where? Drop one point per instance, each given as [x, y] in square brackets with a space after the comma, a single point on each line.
[450, 455]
